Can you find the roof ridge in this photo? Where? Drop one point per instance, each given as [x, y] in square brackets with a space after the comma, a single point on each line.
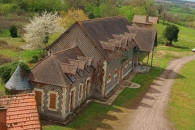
[97, 19]
[41, 60]
[92, 39]
[61, 71]
[18, 95]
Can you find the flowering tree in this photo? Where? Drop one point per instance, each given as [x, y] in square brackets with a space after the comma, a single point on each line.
[40, 28]
[72, 16]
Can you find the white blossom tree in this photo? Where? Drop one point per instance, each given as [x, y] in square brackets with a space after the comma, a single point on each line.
[40, 28]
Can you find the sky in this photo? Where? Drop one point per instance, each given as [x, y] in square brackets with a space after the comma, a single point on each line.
[191, 0]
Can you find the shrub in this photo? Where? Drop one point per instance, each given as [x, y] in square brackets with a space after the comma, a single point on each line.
[34, 59]
[171, 33]
[7, 70]
[13, 31]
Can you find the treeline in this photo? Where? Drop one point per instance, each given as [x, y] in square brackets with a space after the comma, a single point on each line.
[178, 14]
[102, 8]
[93, 8]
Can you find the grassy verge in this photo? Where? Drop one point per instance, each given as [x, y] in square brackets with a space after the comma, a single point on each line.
[181, 111]
[2, 88]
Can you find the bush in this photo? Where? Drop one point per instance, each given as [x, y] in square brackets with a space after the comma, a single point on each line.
[7, 70]
[171, 33]
[13, 31]
[34, 59]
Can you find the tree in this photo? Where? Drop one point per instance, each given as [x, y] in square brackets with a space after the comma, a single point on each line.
[72, 16]
[13, 31]
[171, 34]
[40, 28]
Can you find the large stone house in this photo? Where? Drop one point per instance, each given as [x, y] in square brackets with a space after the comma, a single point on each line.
[88, 61]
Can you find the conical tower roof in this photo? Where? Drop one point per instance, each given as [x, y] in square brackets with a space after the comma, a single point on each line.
[18, 81]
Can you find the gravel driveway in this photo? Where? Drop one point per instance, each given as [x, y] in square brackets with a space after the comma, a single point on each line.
[150, 114]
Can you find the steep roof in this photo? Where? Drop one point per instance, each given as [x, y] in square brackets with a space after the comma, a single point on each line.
[145, 38]
[21, 113]
[48, 71]
[104, 29]
[18, 81]
[109, 33]
[52, 69]
[143, 19]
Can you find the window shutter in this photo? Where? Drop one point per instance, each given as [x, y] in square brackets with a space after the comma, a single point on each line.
[38, 96]
[52, 101]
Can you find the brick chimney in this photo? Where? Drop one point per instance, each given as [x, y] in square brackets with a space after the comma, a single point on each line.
[147, 19]
[3, 111]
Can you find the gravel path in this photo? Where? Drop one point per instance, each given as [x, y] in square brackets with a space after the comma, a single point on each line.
[150, 114]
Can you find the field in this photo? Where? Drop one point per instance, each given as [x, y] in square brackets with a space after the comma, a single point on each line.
[94, 115]
[181, 110]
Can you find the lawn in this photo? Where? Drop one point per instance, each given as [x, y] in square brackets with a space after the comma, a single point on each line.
[181, 110]
[93, 115]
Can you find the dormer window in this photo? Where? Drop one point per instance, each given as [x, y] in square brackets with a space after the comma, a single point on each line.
[71, 77]
[80, 73]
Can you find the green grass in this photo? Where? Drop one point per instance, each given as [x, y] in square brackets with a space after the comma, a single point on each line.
[4, 33]
[186, 40]
[26, 55]
[90, 118]
[181, 111]
[2, 88]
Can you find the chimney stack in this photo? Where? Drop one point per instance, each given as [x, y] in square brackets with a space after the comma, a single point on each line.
[147, 19]
[3, 111]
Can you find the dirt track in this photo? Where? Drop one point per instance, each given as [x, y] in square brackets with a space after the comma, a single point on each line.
[150, 114]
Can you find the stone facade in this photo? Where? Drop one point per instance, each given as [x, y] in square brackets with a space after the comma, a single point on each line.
[113, 50]
[63, 97]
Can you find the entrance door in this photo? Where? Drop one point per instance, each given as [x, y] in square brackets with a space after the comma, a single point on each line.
[71, 101]
[121, 73]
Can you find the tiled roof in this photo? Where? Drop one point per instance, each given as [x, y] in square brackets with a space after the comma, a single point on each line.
[145, 38]
[52, 69]
[102, 30]
[143, 19]
[22, 113]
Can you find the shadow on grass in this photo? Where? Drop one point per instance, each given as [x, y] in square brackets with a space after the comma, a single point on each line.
[181, 47]
[93, 116]
[131, 98]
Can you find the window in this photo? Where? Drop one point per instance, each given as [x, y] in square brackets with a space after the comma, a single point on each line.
[38, 96]
[71, 77]
[52, 103]
[80, 90]
[80, 73]
[115, 73]
[109, 78]
[126, 65]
